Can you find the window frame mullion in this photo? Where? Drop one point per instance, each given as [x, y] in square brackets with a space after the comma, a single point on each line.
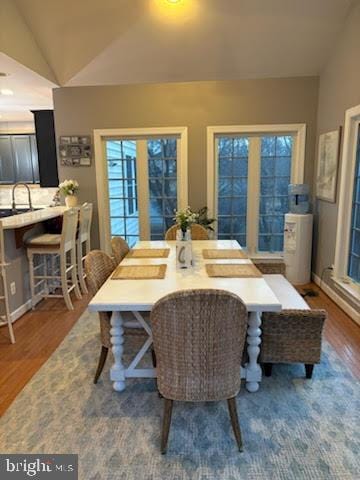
[252, 214]
[142, 177]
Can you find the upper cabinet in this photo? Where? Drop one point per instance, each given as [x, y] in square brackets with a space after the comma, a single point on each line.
[7, 165]
[31, 158]
[46, 145]
[18, 159]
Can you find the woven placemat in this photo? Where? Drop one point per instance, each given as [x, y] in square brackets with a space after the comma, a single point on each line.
[139, 272]
[223, 253]
[232, 270]
[148, 253]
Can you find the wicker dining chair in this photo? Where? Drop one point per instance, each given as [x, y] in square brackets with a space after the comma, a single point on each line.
[292, 336]
[198, 338]
[198, 232]
[271, 268]
[119, 248]
[98, 268]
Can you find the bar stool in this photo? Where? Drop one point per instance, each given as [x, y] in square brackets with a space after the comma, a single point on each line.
[83, 242]
[59, 247]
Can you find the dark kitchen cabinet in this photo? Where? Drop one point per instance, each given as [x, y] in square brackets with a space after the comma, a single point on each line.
[18, 159]
[7, 165]
[46, 145]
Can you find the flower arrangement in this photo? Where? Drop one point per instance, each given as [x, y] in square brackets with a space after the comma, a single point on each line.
[185, 218]
[69, 187]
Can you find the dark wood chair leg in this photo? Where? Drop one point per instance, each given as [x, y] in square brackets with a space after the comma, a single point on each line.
[268, 369]
[168, 405]
[153, 356]
[309, 367]
[235, 422]
[102, 360]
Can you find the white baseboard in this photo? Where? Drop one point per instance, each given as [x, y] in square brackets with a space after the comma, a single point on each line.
[25, 307]
[340, 301]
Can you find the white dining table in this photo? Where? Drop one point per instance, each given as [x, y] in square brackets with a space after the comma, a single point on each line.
[139, 296]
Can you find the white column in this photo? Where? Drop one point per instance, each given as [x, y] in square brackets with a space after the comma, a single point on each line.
[117, 371]
[253, 369]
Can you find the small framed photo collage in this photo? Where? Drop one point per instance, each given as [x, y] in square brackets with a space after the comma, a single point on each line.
[75, 150]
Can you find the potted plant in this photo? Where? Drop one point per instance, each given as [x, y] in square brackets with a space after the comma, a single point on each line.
[69, 189]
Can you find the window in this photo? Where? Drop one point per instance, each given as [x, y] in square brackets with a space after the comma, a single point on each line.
[354, 250]
[121, 168]
[141, 180]
[249, 171]
[233, 156]
[162, 166]
[275, 176]
[347, 251]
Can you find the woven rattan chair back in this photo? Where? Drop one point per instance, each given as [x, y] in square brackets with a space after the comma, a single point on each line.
[98, 268]
[198, 232]
[271, 268]
[199, 339]
[119, 248]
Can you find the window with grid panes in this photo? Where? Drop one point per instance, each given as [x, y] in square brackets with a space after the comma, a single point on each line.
[354, 250]
[232, 188]
[121, 166]
[162, 170]
[275, 175]
[267, 188]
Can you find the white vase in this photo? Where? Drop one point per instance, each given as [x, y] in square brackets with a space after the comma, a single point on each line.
[71, 201]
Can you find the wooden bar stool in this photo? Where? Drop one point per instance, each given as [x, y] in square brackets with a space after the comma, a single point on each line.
[83, 242]
[63, 248]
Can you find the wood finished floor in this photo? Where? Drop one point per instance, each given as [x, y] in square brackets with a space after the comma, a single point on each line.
[39, 333]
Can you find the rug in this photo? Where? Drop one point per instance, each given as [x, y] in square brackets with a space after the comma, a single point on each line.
[292, 428]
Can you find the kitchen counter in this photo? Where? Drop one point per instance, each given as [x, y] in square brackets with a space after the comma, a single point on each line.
[30, 218]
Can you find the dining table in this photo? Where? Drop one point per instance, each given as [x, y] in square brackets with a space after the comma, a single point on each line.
[140, 295]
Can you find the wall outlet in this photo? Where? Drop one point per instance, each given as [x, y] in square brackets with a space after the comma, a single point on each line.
[13, 288]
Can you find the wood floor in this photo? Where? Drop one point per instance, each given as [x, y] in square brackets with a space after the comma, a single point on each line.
[40, 332]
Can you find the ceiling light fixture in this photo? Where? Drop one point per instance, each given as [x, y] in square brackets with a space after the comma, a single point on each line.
[6, 91]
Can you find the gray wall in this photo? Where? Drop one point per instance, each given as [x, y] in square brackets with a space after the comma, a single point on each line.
[339, 90]
[80, 110]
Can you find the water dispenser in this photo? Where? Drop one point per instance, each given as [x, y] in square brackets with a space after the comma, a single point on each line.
[299, 198]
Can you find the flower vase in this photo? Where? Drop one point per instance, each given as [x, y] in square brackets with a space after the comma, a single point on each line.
[183, 249]
[71, 201]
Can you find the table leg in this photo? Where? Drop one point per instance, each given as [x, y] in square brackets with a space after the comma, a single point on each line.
[117, 371]
[253, 369]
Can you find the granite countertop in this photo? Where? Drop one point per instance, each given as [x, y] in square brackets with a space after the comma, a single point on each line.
[28, 218]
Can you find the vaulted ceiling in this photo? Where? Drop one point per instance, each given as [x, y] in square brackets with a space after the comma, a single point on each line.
[47, 43]
[89, 42]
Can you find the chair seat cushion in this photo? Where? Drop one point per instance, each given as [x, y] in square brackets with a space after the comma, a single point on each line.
[44, 240]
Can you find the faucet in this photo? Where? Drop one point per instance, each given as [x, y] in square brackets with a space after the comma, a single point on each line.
[13, 205]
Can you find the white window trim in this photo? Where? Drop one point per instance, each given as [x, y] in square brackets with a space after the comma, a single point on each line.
[100, 135]
[348, 162]
[297, 170]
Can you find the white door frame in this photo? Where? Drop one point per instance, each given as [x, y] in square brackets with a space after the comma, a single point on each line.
[348, 162]
[100, 135]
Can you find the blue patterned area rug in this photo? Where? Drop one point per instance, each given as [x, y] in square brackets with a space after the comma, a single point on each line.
[292, 428]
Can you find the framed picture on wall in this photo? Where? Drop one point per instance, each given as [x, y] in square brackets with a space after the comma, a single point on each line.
[75, 150]
[327, 165]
